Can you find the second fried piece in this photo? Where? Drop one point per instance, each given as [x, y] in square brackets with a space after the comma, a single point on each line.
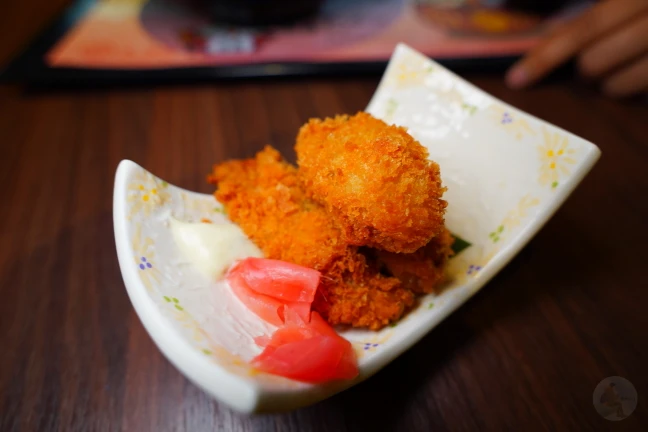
[354, 292]
[422, 271]
[262, 195]
[375, 179]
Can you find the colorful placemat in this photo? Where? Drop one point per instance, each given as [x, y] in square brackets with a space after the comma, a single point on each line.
[142, 39]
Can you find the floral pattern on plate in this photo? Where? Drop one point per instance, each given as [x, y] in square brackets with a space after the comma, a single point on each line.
[506, 172]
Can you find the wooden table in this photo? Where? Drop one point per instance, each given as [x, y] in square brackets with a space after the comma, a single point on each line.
[525, 354]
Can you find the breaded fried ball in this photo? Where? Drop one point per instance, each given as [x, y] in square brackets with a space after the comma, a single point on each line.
[374, 179]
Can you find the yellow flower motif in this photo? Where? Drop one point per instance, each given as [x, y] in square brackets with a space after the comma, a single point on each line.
[205, 208]
[146, 193]
[511, 122]
[144, 257]
[514, 217]
[451, 96]
[555, 156]
[454, 96]
[410, 72]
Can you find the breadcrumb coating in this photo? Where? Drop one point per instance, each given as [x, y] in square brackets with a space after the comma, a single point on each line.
[263, 196]
[422, 271]
[375, 180]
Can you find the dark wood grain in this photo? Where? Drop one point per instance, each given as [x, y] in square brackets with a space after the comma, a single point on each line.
[524, 354]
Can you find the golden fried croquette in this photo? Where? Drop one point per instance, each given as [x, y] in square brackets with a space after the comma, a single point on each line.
[262, 195]
[422, 271]
[374, 179]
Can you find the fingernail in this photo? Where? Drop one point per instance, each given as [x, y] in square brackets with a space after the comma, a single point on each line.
[517, 77]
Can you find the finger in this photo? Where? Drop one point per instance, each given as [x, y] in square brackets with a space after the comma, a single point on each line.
[560, 47]
[629, 81]
[620, 47]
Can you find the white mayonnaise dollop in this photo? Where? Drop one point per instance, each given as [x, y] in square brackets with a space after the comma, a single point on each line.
[212, 248]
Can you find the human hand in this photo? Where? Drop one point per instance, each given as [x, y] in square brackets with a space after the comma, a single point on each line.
[609, 41]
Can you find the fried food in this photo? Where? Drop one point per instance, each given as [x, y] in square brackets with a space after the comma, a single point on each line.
[263, 196]
[354, 292]
[422, 271]
[375, 180]
[364, 208]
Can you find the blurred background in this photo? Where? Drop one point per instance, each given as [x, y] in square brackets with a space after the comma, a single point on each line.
[125, 40]
[177, 86]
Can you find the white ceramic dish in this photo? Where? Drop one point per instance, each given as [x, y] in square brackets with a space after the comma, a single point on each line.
[506, 172]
